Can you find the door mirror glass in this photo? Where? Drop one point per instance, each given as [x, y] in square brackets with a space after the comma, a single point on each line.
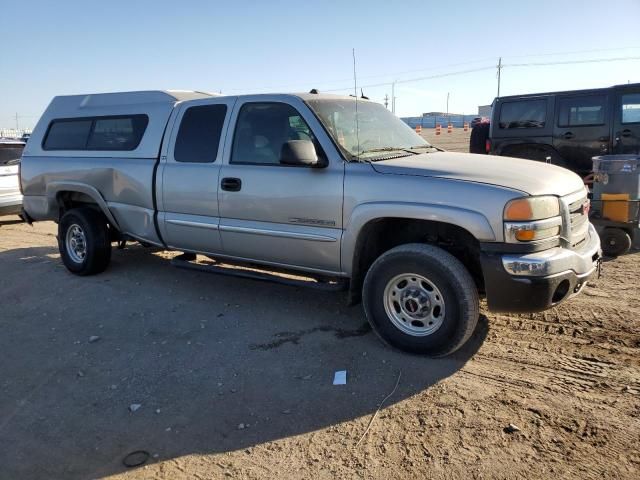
[299, 153]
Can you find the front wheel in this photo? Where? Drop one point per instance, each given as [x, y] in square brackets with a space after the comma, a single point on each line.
[83, 241]
[421, 299]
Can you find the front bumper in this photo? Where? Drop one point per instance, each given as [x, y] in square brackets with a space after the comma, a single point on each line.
[536, 281]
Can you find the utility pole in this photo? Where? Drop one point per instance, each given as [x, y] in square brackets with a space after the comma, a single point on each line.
[499, 70]
[447, 107]
[17, 124]
[393, 97]
[386, 101]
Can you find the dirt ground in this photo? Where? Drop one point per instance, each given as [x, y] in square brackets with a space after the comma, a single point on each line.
[456, 141]
[221, 377]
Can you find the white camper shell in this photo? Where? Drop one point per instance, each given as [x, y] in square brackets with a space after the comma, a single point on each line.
[156, 105]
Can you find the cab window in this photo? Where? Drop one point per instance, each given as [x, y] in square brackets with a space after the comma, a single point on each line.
[263, 128]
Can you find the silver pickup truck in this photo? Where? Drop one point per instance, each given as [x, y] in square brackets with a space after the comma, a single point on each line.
[333, 186]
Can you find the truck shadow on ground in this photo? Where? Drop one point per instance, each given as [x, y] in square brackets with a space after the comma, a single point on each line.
[9, 220]
[184, 363]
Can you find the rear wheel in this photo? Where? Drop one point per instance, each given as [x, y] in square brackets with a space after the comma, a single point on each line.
[421, 299]
[615, 242]
[83, 241]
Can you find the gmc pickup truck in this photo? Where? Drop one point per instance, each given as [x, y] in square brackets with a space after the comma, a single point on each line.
[333, 186]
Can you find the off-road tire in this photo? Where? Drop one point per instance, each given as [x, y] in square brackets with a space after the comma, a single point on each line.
[615, 242]
[450, 277]
[97, 239]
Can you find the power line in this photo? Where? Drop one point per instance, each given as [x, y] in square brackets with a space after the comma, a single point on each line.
[569, 62]
[500, 66]
[432, 68]
[572, 52]
[417, 79]
[380, 75]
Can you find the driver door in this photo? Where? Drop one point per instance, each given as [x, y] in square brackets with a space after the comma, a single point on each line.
[274, 213]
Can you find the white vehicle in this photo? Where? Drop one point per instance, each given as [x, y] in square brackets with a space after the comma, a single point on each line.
[10, 196]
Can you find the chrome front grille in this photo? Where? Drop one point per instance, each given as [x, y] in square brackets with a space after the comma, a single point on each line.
[575, 218]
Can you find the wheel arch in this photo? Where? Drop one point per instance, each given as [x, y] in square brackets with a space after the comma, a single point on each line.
[455, 230]
[62, 195]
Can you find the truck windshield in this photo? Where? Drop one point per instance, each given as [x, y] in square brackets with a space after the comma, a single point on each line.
[376, 133]
[10, 153]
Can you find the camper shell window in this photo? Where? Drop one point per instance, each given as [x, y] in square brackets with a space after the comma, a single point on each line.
[108, 133]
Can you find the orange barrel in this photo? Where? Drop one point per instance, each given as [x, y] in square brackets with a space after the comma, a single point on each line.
[449, 128]
[438, 128]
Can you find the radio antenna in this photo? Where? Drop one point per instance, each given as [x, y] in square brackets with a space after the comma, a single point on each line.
[355, 94]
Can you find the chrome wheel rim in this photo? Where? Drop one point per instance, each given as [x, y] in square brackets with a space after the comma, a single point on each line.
[414, 304]
[76, 243]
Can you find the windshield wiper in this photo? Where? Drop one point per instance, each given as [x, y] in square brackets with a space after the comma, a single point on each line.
[387, 149]
[426, 146]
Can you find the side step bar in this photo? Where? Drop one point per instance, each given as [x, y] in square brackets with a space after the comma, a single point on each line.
[256, 273]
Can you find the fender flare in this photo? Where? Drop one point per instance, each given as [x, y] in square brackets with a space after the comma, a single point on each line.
[473, 222]
[53, 188]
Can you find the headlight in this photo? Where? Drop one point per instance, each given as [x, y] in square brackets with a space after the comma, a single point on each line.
[532, 218]
[531, 208]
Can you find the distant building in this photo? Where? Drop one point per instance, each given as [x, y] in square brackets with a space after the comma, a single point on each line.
[484, 111]
[431, 119]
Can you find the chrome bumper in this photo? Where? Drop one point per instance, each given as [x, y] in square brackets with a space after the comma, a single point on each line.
[582, 261]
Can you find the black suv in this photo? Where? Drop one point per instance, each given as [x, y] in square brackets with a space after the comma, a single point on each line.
[567, 128]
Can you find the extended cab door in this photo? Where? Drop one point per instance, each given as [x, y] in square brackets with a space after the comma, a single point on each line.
[626, 120]
[187, 191]
[274, 213]
[582, 129]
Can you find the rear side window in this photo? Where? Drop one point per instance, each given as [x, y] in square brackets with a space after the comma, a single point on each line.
[581, 111]
[68, 135]
[199, 135]
[122, 133]
[96, 133]
[631, 108]
[523, 114]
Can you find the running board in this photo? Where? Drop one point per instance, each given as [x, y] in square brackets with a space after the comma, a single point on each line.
[253, 273]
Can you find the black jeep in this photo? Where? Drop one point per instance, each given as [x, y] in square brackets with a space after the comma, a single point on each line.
[567, 128]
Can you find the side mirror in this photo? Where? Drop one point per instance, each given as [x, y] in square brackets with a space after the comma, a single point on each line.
[300, 153]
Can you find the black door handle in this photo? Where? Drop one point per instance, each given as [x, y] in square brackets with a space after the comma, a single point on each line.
[231, 184]
[626, 132]
[567, 135]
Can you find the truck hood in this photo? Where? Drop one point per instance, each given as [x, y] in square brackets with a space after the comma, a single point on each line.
[528, 176]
